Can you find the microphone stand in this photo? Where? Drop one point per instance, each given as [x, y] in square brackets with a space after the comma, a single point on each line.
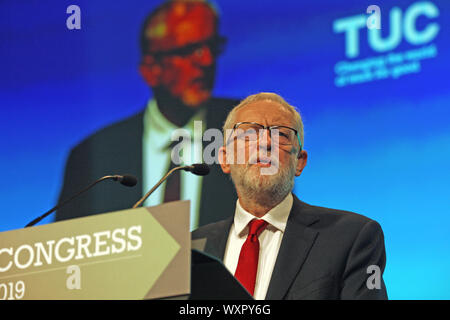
[137, 204]
[32, 223]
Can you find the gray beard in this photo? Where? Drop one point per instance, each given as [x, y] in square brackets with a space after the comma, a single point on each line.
[267, 190]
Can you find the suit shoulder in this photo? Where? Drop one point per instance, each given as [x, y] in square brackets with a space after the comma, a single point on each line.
[112, 132]
[209, 230]
[225, 101]
[119, 127]
[338, 217]
[222, 105]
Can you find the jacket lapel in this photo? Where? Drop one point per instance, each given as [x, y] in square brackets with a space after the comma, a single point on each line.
[295, 246]
[217, 242]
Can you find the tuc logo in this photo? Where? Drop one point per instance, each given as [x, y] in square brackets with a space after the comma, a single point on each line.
[402, 25]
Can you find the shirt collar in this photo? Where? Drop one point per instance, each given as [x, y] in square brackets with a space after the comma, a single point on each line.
[156, 120]
[276, 217]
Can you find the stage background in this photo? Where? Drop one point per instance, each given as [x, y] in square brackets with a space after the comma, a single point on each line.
[378, 141]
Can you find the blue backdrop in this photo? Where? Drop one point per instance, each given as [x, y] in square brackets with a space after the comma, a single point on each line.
[375, 106]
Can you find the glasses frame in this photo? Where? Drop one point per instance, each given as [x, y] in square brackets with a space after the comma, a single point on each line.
[268, 128]
[216, 44]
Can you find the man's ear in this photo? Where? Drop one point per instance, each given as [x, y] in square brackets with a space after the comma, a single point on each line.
[223, 160]
[150, 71]
[302, 158]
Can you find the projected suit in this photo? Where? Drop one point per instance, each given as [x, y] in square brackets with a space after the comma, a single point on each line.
[118, 149]
[180, 44]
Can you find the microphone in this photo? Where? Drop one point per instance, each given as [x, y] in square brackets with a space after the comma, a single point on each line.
[200, 169]
[126, 180]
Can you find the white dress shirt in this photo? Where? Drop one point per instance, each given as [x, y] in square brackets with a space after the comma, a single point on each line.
[156, 158]
[269, 241]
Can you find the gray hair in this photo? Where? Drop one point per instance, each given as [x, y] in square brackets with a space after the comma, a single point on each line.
[269, 96]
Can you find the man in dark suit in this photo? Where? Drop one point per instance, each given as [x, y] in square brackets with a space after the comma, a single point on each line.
[277, 246]
[180, 43]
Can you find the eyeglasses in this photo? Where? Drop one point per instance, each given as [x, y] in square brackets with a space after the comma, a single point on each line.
[216, 44]
[252, 131]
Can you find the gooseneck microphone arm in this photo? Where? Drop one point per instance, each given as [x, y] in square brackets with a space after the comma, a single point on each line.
[125, 180]
[137, 204]
[199, 169]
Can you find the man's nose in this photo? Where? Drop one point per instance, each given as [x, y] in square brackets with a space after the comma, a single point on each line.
[265, 139]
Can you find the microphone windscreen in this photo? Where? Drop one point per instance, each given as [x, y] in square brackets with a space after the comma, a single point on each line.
[200, 169]
[128, 180]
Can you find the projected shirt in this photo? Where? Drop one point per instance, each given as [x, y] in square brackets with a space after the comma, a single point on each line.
[157, 156]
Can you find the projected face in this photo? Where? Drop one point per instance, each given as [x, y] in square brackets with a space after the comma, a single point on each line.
[248, 177]
[183, 45]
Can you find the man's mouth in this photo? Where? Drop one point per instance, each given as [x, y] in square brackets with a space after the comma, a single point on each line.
[263, 162]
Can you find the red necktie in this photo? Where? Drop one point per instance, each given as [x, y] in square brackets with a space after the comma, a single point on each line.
[248, 258]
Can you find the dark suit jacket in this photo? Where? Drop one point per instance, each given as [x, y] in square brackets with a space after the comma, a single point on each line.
[117, 149]
[324, 254]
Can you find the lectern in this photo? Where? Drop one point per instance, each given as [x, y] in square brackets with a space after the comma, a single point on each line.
[142, 253]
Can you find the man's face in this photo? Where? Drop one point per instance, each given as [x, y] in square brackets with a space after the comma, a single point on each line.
[248, 176]
[183, 45]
